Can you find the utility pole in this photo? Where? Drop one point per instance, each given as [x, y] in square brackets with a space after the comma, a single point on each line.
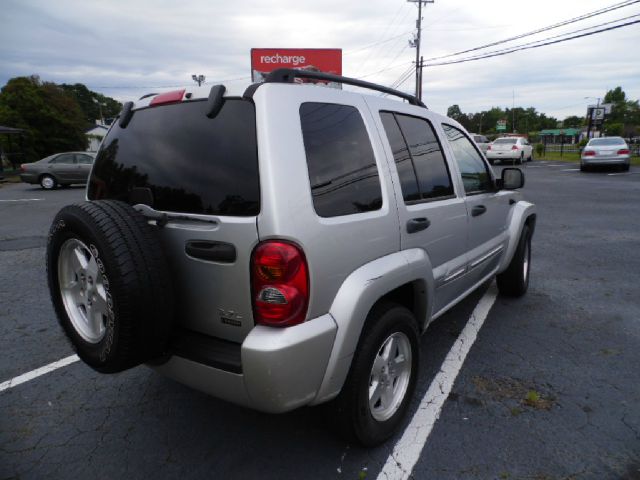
[198, 79]
[416, 43]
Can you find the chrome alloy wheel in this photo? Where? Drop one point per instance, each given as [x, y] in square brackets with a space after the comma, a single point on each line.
[390, 375]
[82, 290]
[47, 182]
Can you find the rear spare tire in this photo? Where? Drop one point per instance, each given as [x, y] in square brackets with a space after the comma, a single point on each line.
[109, 284]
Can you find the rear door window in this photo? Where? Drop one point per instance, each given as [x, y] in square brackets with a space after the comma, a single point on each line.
[65, 158]
[421, 165]
[187, 162]
[342, 168]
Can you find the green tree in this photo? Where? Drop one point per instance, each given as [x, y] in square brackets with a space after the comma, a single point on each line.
[52, 120]
[90, 102]
[573, 121]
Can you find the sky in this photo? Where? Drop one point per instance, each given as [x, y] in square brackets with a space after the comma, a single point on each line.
[125, 49]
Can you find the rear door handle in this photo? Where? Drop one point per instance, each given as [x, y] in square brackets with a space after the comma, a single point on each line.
[478, 210]
[417, 224]
[212, 251]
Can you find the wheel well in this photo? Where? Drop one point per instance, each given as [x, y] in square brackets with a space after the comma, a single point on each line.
[411, 295]
[46, 174]
[531, 222]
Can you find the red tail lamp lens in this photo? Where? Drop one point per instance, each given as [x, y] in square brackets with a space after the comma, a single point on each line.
[279, 284]
[589, 153]
[623, 151]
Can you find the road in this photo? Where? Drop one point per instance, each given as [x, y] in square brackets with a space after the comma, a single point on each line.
[549, 390]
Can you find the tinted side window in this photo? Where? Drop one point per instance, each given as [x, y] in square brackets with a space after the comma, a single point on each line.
[474, 172]
[85, 159]
[427, 161]
[342, 168]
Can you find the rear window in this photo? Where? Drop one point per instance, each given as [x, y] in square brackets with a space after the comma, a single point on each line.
[182, 160]
[505, 141]
[595, 142]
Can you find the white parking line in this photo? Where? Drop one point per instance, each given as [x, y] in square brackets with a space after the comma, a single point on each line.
[625, 173]
[23, 200]
[569, 169]
[25, 377]
[406, 451]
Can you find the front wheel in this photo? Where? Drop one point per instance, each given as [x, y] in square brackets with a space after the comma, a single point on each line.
[514, 281]
[378, 389]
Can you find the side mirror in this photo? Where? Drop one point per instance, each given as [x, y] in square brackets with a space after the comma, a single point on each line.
[512, 179]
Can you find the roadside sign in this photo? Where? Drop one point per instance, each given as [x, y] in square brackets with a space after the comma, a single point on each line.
[597, 113]
[501, 125]
[265, 60]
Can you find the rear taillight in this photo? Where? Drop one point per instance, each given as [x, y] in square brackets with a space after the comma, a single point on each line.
[23, 168]
[589, 153]
[279, 284]
[514, 147]
[623, 151]
[489, 147]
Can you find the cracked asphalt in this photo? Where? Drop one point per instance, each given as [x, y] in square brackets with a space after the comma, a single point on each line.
[549, 390]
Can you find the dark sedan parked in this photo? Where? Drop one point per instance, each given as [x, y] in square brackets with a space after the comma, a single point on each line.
[59, 169]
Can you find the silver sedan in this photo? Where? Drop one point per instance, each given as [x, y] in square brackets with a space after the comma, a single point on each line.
[605, 151]
[59, 169]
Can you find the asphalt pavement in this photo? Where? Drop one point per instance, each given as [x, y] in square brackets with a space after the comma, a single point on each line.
[549, 390]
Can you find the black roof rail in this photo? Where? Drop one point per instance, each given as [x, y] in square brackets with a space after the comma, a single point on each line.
[287, 75]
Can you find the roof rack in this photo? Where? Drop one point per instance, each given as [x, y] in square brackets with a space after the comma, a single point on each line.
[287, 75]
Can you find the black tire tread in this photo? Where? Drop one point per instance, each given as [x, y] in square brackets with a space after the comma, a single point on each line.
[510, 282]
[139, 281]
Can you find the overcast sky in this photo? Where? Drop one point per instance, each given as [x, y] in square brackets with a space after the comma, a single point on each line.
[125, 49]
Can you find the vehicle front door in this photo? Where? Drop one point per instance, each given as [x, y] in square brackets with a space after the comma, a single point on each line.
[84, 164]
[487, 207]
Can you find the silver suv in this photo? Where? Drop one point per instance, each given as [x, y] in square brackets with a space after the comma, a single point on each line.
[284, 247]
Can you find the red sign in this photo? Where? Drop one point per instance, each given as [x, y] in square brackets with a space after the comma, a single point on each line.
[265, 60]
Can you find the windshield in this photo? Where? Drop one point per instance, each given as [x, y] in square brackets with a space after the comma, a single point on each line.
[183, 161]
[506, 141]
[595, 142]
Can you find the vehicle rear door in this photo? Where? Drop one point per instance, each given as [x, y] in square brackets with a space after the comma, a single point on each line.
[202, 173]
[487, 208]
[431, 213]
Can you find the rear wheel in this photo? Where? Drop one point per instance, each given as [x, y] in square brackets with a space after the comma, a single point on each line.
[514, 281]
[109, 283]
[625, 167]
[48, 182]
[378, 389]
[521, 159]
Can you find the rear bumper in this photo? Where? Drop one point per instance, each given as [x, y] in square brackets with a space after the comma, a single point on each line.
[602, 160]
[506, 155]
[281, 369]
[29, 177]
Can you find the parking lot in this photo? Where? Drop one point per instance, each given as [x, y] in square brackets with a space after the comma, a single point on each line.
[550, 389]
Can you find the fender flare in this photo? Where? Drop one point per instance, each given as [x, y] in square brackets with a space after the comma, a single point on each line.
[355, 298]
[521, 213]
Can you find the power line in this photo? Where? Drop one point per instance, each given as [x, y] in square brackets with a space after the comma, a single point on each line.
[540, 30]
[365, 47]
[525, 47]
[165, 86]
[534, 42]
